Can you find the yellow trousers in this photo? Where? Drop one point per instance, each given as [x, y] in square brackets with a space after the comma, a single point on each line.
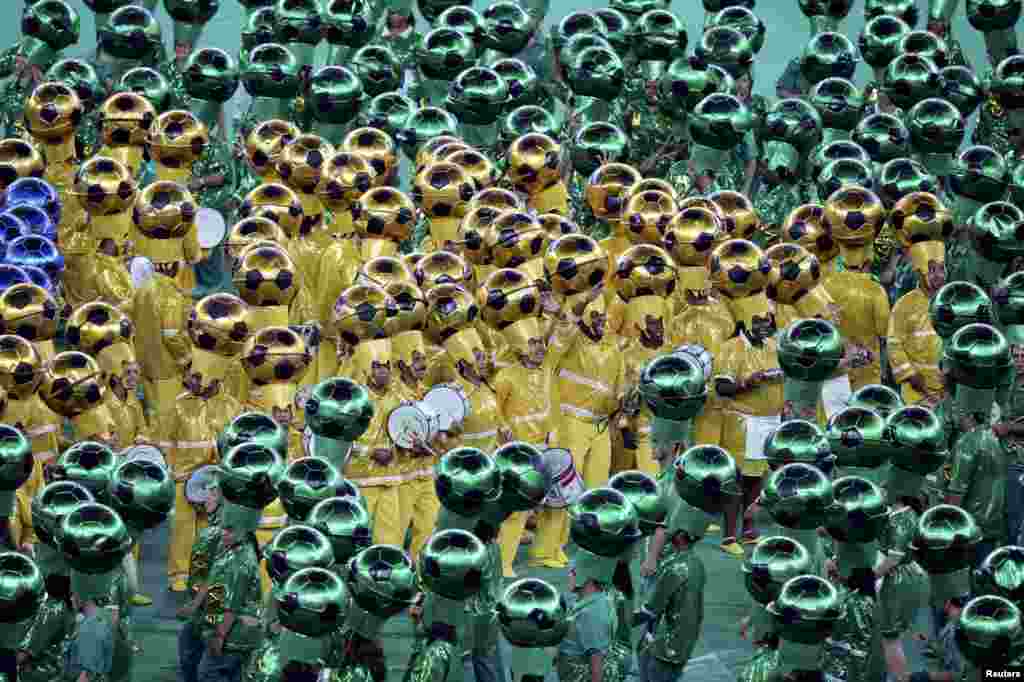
[418, 508]
[186, 527]
[552, 534]
[591, 447]
[509, 537]
[382, 503]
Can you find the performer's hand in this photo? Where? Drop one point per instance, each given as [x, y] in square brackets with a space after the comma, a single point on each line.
[917, 383]
[744, 627]
[382, 456]
[831, 570]
[1001, 429]
[504, 436]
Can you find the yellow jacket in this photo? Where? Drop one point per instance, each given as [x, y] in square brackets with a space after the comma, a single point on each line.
[336, 271]
[195, 424]
[41, 425]
[636, 356]
[129, 419]
[362, 469]
[590, 378]
[160, 311]
[738, 359]
[914, 347]
[524, 398]
[864, 318]
[113, 282]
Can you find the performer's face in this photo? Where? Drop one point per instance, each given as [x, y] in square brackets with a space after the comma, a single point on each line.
[653, 333]
[1017, 353]
[537, 350]
[282, 415]
[597, 325]
[380, 373]
[936, 277]
[762, 327]
[419, 365]
[130, 376]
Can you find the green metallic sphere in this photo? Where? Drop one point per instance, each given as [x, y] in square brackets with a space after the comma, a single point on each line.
[298, 21]
[1008, 300]
[1007, 83]
[452, 564]
[642, 491]
[477, 96]
[672, 386]
[706, 478]
[801, 441]
[80, 76]
[989, 632]
[845, 173]
[523, 83]
[879, 42]
[798, 496]
[726, 47]
[335, 94]
[793, 121]
[618, 29]
[636, 8]
[962, 88]
[94, 539]
[881, 399]
[993, 15]
[148, 83]
[444, 53]
[825, 154]
[54, 22]
[524, 481]
[507, 28]
[294, 548]
[1017, 184]
[253, 427]
[720, 121]
[857, 436]
[528, 119]
[883, 136]
[839, 103]
[831, 9]
[597, 72]
[345, 523]
[604, 522]
[936, 127]
[685, 84]
[532, 614]
[339, 409]
[918, 440]
[210, 74]
[743, 20]
[901, 177]
[945, 539]
[810, 349]
[382, 581]
[981, 175]
[307, 482]
[348, 23]
[928, 45]
[807, 609]
[431, 10]
[978, 356]
[910, 78]
[388, 111]
[466, 480]
[312, 602]
[1001, 573]
[958, 304]
[905, 10]
[192, 11]
[598, 143]
[131, 33]
[22, 590]
[260, 28]
[773, 561]
[425, 124]
[465, 19]
[659, 35]
[271, 70]
[828, 55]
[51, 504]
[249, 475]
[574, 24]
[996, 230]
[142, 493]
[16, 460]
[88, 463]
[861, 510]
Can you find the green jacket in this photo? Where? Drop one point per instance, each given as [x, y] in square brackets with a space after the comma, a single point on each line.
[978, 475]
[677, 600]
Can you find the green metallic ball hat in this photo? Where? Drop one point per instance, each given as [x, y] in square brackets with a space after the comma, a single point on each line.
[797, 440]
[22, 591]
[347, 23]
[996, 230]
[94, 539]
[339, 409]
[425, 124]
[598, 143]
[299, 26]
[508, 28]
[706, 478]
[659, 35]
[618, 29]
[958, 304]
[1007, 83]
[936, 127]
[210, 74]
[526, 120]
[271, 70]
[307, 482]
[981, 175]
[828, 55]
[883, 136]
[477, 96]
[882, 399]
[839, 103]
[825, 15]
[382, 580]
[190, 16]
[1008, 300]
[1001, 573]
[793, 121]
[80, 76]
[727, 48]
[466, 480]
[524, 478]
[642, 491]
[857, 436]
[945, 539]
[259, 28]
[574, 24]
[130, 33]
[294, 548]
[1017, 184]
[142, 492]
[743, 20]
[532, 614]
[978, 356]
[636, 8]
[901, 177]
[798, 496]
[806, 609]
[963, 88]
[906, 10]
[685, 83]
[714, 6]
[523, 83]
[431, 10]
[810, 349]
[909, 79]
[773, 561]
[452, 564]
[596, 72]
[388, 111]
[720, 122]
[879, 41]
[462, 18]
[54, 23]
[825, 154]
[16, 463]
[580, 42]
[51, 504]
[604, 522]
[335, 94]
[311, 605]
[97, 6]
[443, 53]
[346, 524]
[845, 173]
[253, 427]
[88, 463]
[861, 510]
[672, 386]
[926, 44]
[918, 440]
[989, 633]
[993, 15]
[149, 83]
[250, 473]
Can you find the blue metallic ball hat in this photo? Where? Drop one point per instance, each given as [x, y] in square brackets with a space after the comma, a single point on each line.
[11, 275]
[39, 277]
[36, 251]
[36, 192]
[37, 219]
[11, 227]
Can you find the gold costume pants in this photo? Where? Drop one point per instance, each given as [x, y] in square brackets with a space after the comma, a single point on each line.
[382, 503]
[186, 527]
[591, 447]
[418, 508]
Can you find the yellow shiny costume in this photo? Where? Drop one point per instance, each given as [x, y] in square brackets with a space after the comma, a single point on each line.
[914, 347]
[336, 272]
[484, 421]
[554, 199]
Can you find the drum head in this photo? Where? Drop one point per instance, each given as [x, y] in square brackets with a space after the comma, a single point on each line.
[407, 424]
[143, 453]
[197, 488]
[566, 484]
[211, 227]
[450, 402]
[142, 271]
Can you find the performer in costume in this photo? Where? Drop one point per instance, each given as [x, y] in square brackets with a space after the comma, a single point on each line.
[530, 641]
[980, 178]
[813, 606]
[131, 37]
[81, 76]
[997, 117]
[270, 74]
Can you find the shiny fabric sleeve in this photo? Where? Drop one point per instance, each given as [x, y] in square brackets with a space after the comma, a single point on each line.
[965, 462]
[902, 367]
[432, 664]
[667, 582]
[881, 312]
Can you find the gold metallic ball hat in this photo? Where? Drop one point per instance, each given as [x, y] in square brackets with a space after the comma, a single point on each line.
[510, 303]
[385, 271]
[106, 190]
[739, 268]
[921, 217]
[690, 238]
[265, 143]
[476, 165]
[442, 190]
[377, 147]
[474, 237]
[274, 358]
[411, 317]
[608, 188]
[21, 367]
[451, 309]
[165, 210]
[644, 270]
[855, 215]
[347, 177]
[31, 312]
[177, 139]
[515, 239]
[72, 384]
[797, 272]
[218, 327]
[384, 213]
[278, 202]
[427, 153]
[104, 332]
[362, 313]
[19, 159]
[303, 162]
[251, 230]
[498, 198]
[739, 218]
[125, 120]
[575, 264]
[806, 225]
[267, 276]
[442, 267]
[52, 112]
[647, 215]
[533, 163]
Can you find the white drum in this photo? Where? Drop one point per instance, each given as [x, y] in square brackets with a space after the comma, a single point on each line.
[197, 488]
[142, 271]
[450, 402]
[566, 484]
[211, 227]
[143, 453]
[413, 423]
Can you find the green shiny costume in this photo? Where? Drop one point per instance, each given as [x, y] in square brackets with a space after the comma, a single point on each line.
[45, 641]
[978, 475]
[993, 128]
[592, 626]
[620, 652]
[855, 641]
[438, 661]
[482, 620]
[763, 666]
[649, 129]
[234, 585]
[774, 203]
[905, 589]
[218, 159]
[677, 599]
